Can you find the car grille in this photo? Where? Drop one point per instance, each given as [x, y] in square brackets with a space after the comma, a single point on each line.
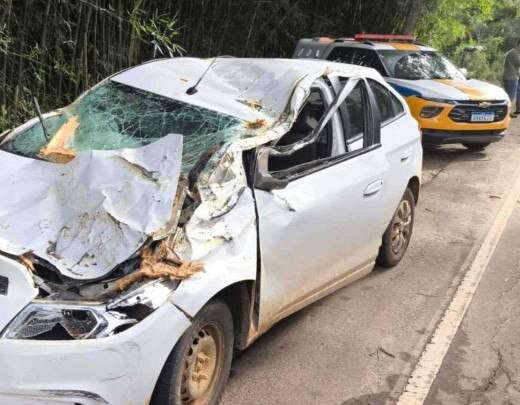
[462, 111]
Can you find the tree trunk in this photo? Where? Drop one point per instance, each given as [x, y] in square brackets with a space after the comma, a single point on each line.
[412, 17]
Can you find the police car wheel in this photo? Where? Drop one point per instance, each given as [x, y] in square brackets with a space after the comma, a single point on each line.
[476, 146]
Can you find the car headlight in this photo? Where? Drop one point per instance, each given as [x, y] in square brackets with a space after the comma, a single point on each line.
[42, 320]
[430, 111]
[65, 320]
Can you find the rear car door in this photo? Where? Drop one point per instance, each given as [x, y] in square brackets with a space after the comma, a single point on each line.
[324, 228]
[400, 142]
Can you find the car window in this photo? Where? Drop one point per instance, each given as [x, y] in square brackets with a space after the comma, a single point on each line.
[417, 65]
[354, 117]
[307, 121]
[389, 105]
[398, 106]
[357, 56]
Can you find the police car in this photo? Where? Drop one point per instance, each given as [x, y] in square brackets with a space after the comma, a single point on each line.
[449, 107]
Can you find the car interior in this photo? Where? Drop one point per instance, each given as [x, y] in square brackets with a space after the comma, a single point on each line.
[305, 124]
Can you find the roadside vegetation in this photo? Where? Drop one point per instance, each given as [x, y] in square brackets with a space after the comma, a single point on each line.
[55, 49]
[475, 34]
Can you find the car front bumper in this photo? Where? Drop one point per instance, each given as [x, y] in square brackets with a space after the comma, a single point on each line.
[120, 369]
[437, 137]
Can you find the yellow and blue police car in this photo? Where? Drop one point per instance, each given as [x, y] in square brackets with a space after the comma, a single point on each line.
[449, 107]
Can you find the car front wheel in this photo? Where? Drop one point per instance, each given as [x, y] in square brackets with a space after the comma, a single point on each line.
[398, 234]
[198, 367]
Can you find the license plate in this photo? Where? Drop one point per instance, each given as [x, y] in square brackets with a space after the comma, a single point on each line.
[482, 117]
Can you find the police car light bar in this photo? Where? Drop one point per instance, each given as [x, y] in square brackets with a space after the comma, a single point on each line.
[385, 37]
[323, 39]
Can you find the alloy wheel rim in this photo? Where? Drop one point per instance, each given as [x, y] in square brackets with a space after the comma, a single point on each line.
[401, 227]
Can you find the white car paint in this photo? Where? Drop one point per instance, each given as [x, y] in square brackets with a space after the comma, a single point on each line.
[341, 213]
[341, 228]
[338, 215]
[13, 301]
[120, 369]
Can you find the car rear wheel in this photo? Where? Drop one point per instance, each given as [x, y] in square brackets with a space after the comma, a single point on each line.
[476, 146]
[398, 234]
[198, 367]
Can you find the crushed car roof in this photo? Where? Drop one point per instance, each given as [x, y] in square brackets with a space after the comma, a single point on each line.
[232, 85]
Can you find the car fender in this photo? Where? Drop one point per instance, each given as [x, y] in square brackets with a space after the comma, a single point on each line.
[232, 262]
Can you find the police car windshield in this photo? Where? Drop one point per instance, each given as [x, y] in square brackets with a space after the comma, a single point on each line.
[417, 65]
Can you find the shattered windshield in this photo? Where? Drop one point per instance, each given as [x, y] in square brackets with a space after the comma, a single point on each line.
[413, 65]
[115, 116]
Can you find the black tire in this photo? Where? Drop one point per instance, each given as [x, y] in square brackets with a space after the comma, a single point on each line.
[173, 386]
[476, 146]
[392, 250]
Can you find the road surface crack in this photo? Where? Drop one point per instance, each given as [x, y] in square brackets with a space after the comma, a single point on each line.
[490, 382]
[435, 174]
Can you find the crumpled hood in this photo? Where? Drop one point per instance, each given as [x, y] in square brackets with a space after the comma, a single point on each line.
[89, 215]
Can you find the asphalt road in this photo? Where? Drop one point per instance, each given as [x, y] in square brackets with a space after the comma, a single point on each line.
[359, 345]
[482, 366]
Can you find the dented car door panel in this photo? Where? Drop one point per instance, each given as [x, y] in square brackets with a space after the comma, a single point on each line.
[317, 231]
[321, 230]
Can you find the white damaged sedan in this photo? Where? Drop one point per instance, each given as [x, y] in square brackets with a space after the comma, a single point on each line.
[178, 209]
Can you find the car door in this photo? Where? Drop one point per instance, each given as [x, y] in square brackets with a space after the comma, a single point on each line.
[324, 228]
[400, 143]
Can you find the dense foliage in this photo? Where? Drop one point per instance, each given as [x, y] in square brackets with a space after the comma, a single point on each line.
[55, 49]
[474, 33]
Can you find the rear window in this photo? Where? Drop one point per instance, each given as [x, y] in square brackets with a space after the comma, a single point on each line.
[389, 105]
[357, 56]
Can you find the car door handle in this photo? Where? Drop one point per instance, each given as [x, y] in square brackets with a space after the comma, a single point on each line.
[406, 155]
[373, 188]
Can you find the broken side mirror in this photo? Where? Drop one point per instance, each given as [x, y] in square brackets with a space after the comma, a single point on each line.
[264, 180]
